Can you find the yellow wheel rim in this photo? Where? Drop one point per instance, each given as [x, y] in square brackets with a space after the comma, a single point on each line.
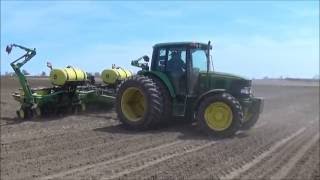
[218, 116]
[133, 104]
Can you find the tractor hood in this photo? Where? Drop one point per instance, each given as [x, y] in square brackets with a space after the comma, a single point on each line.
[227, 76]
[232, 83]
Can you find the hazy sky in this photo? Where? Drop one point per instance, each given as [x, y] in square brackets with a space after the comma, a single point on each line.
[252, 39]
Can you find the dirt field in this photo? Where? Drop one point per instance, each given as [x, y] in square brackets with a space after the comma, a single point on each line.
[284, 144]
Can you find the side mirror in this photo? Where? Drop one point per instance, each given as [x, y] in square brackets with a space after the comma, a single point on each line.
[49, 65]
[146, 58]
[9, 49]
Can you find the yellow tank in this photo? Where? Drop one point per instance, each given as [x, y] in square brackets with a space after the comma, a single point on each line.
[65, 75]
[111, 76]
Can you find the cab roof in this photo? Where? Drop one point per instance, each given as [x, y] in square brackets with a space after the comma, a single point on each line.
[182, 44]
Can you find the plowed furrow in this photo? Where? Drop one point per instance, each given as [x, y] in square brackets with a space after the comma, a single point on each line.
[308, 167]
[38, 154]
[54, 130]
[279, 160]
[55, 121]
[52, 141]
[267, 162]
[138, 161]
[90, 154]
[297, 155]
[86, 167]
[189, 165]
[52, 145]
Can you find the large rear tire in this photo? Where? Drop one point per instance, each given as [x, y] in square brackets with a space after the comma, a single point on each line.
[139, 103]
[220, 115]
[167, 100]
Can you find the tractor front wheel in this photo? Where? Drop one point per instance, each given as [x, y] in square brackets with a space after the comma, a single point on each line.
[252, 120]
[139, 103]
[220, 115]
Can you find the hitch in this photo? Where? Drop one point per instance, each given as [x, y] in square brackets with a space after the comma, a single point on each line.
[30, 53]
[16, 66]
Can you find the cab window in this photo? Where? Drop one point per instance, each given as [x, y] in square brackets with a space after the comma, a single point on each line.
[199, 65]
[161, 60]
[199, 60]
[176, 60]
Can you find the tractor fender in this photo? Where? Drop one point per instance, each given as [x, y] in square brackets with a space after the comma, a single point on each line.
[205, 94]
[163, 77]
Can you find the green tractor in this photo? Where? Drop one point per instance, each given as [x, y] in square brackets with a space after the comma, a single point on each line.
[181, 82]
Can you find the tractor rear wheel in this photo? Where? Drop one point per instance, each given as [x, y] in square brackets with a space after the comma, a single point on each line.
[220, 115]
[139, 103]
[167, 100]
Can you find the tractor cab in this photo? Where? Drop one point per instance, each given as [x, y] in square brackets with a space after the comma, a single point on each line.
[183, 63]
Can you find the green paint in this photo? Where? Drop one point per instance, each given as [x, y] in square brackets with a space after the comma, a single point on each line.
[164, 78]
[16, 66]
[194, 84]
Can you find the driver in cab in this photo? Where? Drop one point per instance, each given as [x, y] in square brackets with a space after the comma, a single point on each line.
[175, 63]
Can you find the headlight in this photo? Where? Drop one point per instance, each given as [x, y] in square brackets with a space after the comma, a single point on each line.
[246, 90]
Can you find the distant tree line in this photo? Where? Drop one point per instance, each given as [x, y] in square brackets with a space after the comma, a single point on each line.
[95, 74]
[24, 72]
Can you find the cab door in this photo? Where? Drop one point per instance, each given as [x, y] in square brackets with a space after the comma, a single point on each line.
[198, 71]
[177, 69]
[172, 62]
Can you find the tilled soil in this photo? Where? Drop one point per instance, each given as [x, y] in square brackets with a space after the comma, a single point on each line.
[284, 144]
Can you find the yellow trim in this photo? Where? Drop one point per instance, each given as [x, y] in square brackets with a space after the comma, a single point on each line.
[64, 75]
[111, 76]
[133, 104]
[218, 116]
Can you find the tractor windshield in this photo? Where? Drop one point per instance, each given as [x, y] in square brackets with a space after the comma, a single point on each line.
[199, 60]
